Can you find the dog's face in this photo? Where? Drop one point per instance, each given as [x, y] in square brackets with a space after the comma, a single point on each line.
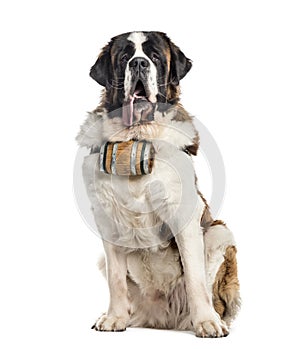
[138, 70]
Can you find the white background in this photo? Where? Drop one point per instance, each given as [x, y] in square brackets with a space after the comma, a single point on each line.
[244, 86]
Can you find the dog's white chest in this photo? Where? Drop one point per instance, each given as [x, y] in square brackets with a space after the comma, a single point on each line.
[130, 211]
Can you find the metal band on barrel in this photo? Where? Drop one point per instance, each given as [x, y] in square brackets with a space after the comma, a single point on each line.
[103, 157]
[132, 158]
[146, 158]
[142, 158]
[114, 158]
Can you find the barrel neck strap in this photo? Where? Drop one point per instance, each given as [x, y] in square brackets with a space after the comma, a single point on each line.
[95, 149]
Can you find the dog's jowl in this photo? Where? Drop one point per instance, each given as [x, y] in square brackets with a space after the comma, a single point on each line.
[168, 263]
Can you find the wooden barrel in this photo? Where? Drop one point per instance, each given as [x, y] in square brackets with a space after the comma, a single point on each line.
[132, 158]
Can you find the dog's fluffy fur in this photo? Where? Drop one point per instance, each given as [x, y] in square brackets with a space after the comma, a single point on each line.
[164, 268]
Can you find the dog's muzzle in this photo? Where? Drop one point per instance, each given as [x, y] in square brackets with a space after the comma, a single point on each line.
[138, 108]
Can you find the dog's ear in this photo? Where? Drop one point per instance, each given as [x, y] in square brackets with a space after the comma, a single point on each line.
[180, 64]
[101, 71]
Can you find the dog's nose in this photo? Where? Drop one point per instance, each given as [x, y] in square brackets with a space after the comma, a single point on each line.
[139, 64]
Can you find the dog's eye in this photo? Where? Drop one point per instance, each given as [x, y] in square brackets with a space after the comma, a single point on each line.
[155, 57]
[124, 58]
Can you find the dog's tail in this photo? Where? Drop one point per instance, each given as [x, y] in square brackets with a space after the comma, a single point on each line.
[226, 288]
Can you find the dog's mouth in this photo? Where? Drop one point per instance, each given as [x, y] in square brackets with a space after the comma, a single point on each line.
[139, 91]
[137, 108]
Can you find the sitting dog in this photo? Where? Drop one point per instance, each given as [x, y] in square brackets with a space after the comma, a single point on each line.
[168, 263]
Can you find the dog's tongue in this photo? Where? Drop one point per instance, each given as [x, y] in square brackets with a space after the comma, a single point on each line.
[127, 111]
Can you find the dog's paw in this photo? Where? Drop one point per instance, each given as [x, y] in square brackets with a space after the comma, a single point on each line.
[211, 329]
[110, 323]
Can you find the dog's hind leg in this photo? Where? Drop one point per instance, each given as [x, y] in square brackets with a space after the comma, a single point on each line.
[221, 270]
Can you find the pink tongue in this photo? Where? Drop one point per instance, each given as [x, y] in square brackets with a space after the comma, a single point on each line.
[127, 111]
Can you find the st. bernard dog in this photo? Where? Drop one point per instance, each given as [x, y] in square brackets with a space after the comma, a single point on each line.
[167, 262]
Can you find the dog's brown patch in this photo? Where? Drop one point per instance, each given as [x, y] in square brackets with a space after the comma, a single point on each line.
[226, 296]
[193, 148]
[100, 110]
[218, 222]
[181, 114]
[167, 54]
[206, 219]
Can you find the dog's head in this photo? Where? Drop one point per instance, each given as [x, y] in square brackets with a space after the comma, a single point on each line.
[138, 70]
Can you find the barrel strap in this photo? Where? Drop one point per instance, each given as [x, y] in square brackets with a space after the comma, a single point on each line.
[142, 165]
[133, 157]
[95, 149]
[105, 145]
[113, 159]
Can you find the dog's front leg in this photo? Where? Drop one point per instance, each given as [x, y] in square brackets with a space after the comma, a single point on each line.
[206, 321]
[117, 317]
